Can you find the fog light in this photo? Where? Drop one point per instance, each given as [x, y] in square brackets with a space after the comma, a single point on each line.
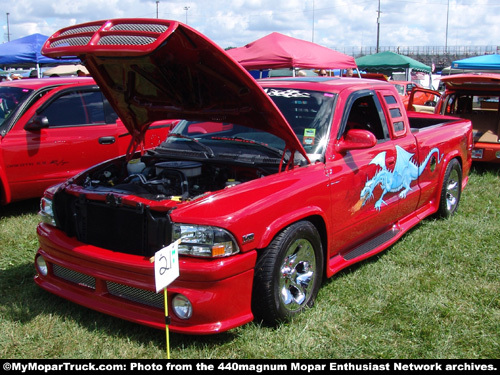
[41, 265]
[182, 306]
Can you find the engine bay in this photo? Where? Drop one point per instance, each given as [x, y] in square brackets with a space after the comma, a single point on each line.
[160, 179]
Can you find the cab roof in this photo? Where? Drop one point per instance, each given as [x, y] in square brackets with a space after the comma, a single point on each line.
[36, 83]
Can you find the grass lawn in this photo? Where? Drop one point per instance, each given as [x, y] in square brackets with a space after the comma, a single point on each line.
[434, 294]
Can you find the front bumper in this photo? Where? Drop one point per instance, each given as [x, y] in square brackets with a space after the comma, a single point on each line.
[123, 285]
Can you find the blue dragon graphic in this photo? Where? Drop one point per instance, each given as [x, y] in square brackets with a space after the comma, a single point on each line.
[405, 171]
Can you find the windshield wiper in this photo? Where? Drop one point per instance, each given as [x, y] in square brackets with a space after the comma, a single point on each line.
[274, 150]
[209, 151]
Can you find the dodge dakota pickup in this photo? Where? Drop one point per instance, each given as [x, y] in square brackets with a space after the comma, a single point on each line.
[268, 186]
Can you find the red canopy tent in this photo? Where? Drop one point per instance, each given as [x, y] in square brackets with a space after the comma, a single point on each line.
[276, 51]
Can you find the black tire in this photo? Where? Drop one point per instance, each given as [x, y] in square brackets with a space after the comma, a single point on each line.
[451, 190]
[288, 274]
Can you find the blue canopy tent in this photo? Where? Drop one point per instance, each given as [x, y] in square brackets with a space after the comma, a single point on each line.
[26, 52]
[485, 62]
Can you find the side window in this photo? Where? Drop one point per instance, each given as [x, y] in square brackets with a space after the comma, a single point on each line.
[365, 115]
[395, 114]
[79, 108]
[66, 110]
[110, 115]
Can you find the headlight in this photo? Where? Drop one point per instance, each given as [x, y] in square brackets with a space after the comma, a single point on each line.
[204, 241]
[46, 213]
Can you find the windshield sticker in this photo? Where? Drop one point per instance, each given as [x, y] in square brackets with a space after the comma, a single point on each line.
[309, 135]
[287, 93]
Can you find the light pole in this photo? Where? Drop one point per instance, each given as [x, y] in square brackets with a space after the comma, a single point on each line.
[186, 9]
[313, 25]
[378, 26]
[157, 8]
[446, 41]
[8, 31]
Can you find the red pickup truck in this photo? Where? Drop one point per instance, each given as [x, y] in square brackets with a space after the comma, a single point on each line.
[53, 128]
[269, 186]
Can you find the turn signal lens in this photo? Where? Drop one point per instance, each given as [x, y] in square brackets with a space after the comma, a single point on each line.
[46, 212]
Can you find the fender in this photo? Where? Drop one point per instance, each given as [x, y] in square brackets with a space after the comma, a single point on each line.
[282, 222]
[454, 154]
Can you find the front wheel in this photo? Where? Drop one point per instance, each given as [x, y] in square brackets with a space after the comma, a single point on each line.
[288, 274]
[451, 189]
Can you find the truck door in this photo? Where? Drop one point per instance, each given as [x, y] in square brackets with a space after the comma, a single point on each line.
[407, 189]
[70, 131]
[423, 100]
[363, 206]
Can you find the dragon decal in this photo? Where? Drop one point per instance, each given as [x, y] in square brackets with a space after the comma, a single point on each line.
[405, 171]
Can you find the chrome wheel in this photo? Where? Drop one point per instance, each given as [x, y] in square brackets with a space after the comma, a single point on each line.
[452, 194]
[451, 189]
[297, 271]
[288, 274]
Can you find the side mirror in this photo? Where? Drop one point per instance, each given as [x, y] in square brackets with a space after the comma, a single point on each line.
[37, 122]
[356, 139]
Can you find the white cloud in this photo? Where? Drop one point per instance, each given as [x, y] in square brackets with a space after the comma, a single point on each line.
[337, 23]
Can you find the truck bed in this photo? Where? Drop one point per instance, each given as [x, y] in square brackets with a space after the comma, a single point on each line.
[419, 121]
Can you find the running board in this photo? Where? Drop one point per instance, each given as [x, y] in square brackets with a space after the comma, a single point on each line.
[372, 244]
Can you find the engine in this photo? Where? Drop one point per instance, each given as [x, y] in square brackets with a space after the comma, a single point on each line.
[160, 179]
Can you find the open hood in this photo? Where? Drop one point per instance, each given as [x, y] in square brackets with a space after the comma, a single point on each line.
[152, 69]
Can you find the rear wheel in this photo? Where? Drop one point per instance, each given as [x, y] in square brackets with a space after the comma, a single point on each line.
[288, 274]
[451, 189]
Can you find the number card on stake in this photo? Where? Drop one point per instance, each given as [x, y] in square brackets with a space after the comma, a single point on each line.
[166, 265]
[166, 270]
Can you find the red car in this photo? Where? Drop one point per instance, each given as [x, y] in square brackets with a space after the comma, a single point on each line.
[269, 186]
[404, 89]
[53, 128]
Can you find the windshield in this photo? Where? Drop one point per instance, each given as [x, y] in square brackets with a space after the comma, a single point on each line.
[309, 113]
[400, 88]
[10, 99]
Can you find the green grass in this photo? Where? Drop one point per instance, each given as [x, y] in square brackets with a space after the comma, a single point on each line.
[434, 294]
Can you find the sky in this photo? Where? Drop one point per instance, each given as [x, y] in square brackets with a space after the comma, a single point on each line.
[337, 24]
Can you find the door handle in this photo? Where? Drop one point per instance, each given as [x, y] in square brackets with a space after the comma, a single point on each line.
[107, 140]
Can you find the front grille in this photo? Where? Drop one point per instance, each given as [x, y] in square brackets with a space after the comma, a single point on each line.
[73, 276]
[142, 296]
[113, 226]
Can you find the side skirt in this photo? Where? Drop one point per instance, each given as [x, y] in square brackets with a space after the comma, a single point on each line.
[380, 242]
[365, 250]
